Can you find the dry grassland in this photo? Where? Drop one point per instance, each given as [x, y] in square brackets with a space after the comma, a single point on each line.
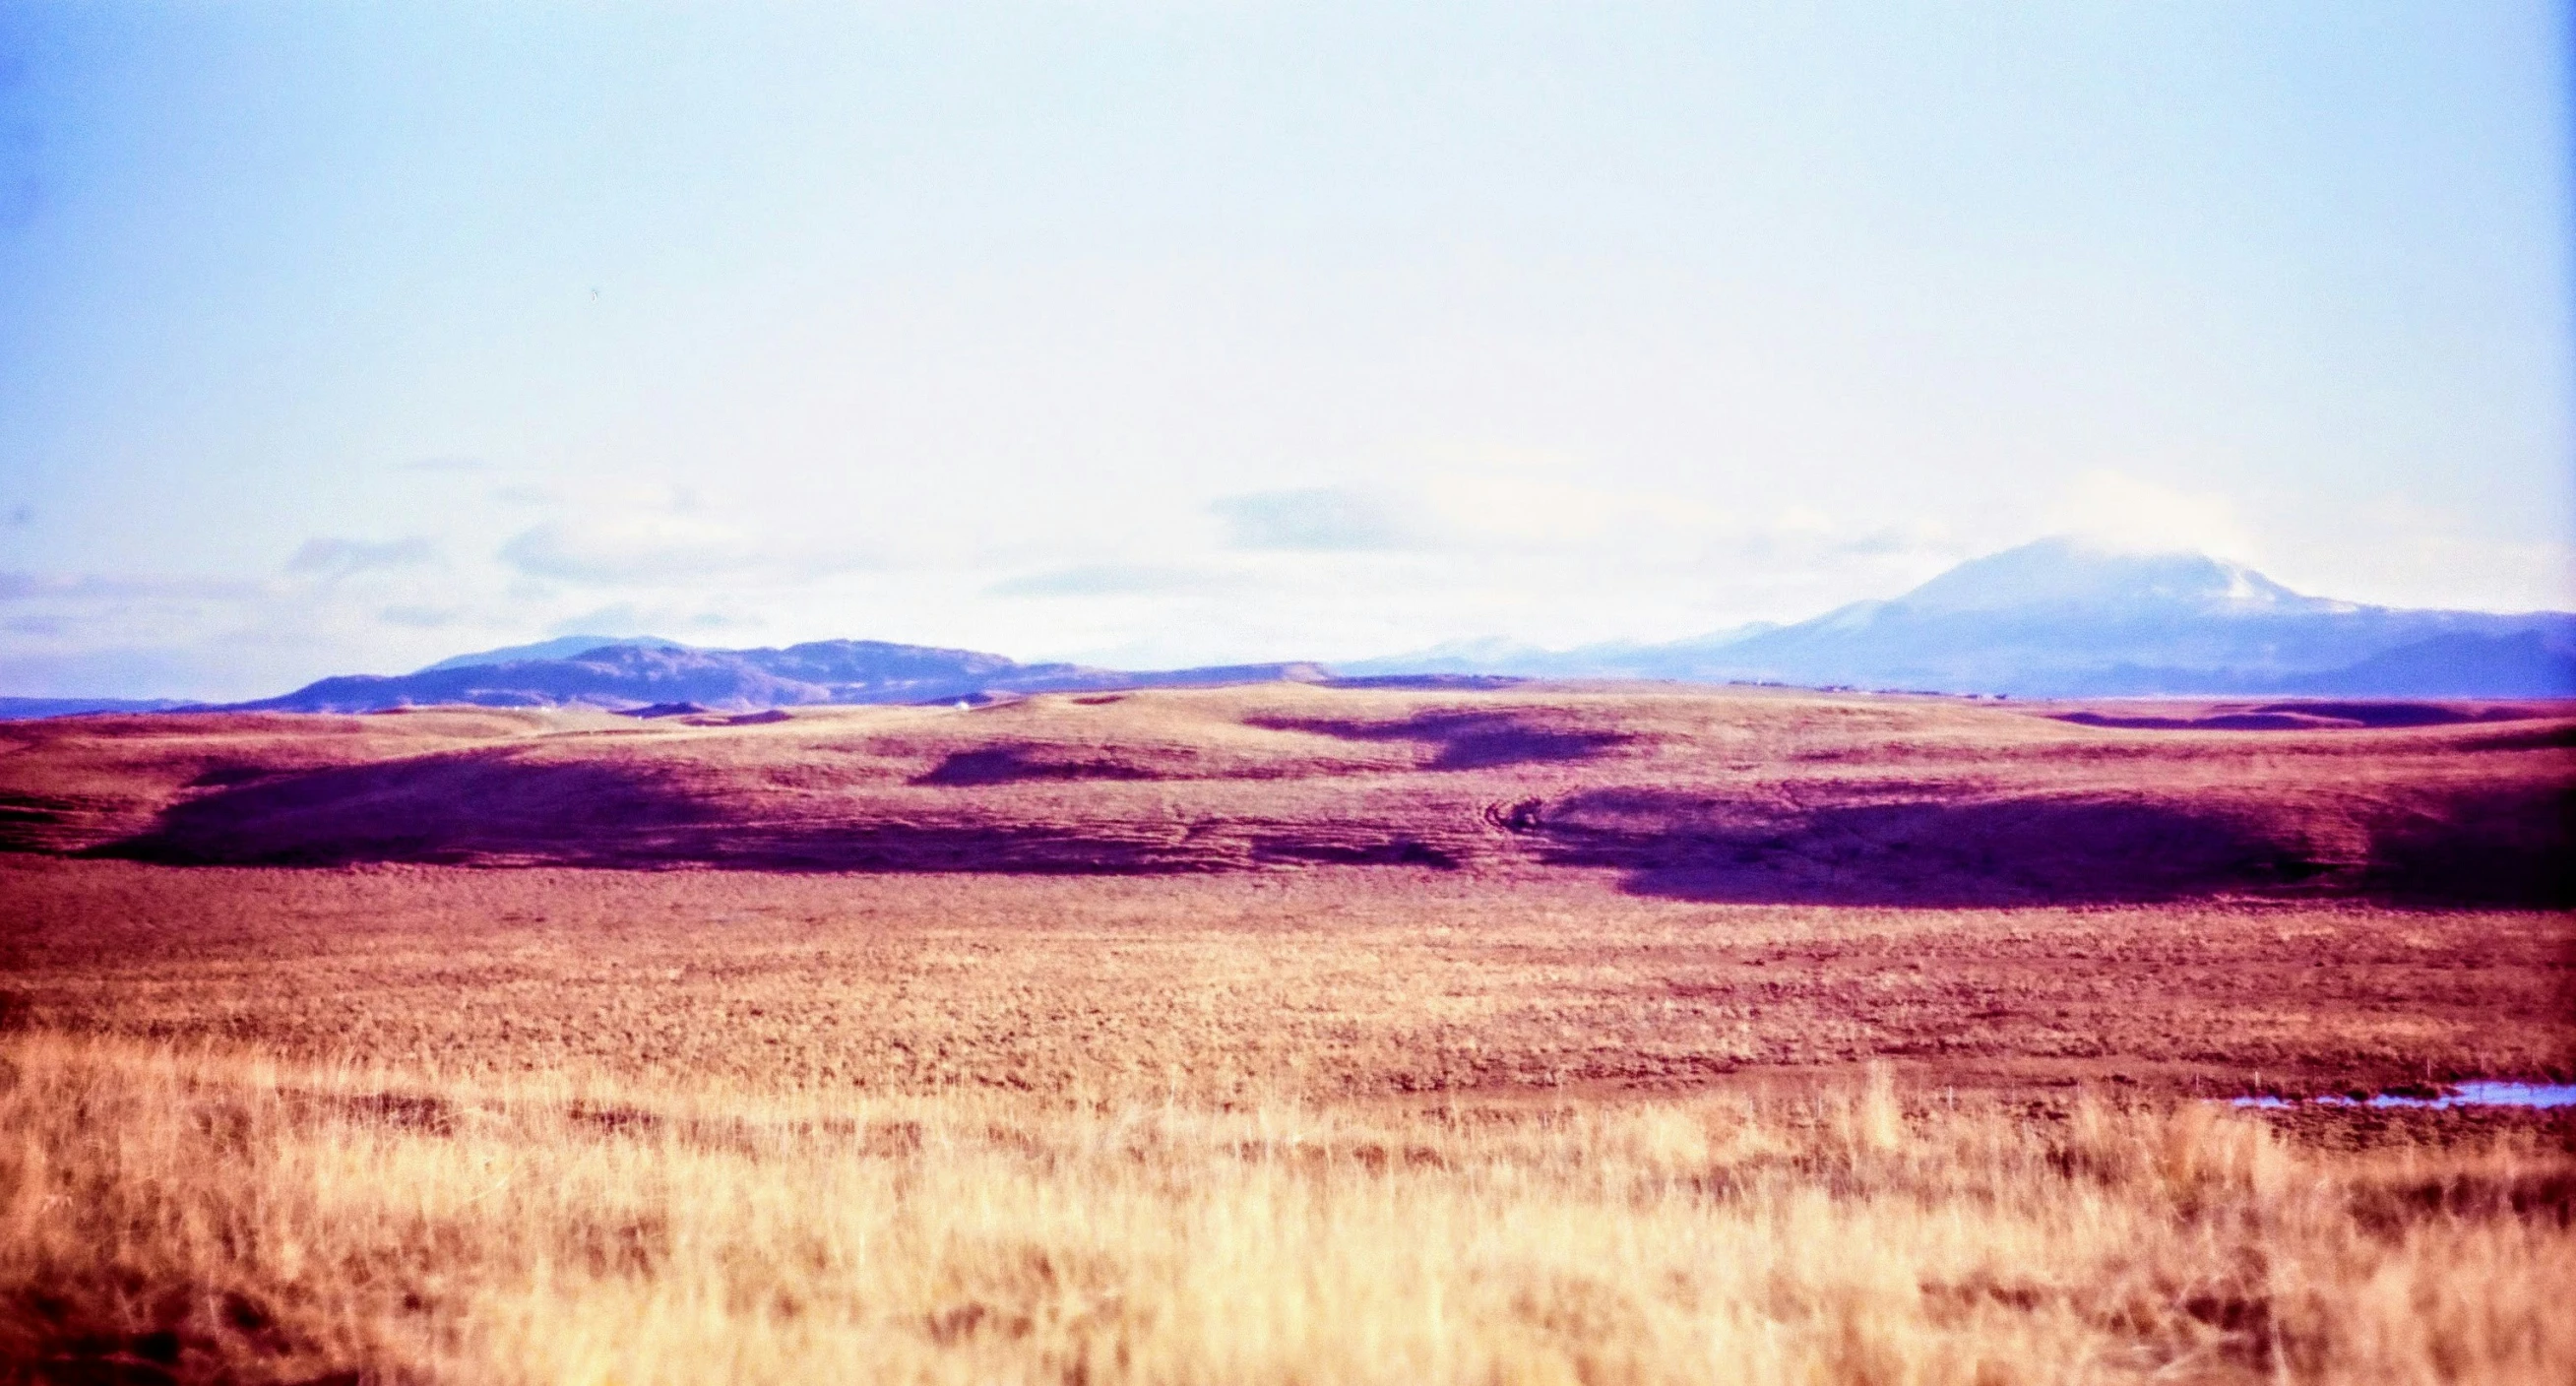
[1667, 1038]
[459, 1125]
[173, 1217]
[1342, 983]
[1727, 795]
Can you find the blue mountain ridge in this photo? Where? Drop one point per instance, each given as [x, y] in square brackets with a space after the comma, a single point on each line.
[668, 674]
[2052, 619]
[2060, 618]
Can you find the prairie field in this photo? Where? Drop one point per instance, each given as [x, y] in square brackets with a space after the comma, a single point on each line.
[1577, 1038]
[238, 1218]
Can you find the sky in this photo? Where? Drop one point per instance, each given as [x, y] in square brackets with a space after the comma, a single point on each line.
[342, 338]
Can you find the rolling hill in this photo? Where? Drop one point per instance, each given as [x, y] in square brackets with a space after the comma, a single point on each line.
[1744, 794]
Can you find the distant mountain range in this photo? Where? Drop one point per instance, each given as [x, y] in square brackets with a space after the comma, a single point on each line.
[2053, 619]
[561, 647]
[664, 674]
[13, 709]
[2059, 618]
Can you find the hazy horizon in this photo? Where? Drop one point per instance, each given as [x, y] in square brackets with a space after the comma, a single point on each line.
[1156, 336]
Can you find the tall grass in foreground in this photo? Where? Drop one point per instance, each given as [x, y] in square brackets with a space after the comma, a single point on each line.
[201, 1218]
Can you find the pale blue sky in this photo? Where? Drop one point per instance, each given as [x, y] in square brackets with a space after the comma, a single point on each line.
[340, 338]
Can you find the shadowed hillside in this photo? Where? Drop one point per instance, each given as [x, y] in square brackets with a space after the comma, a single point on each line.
[1737, 796]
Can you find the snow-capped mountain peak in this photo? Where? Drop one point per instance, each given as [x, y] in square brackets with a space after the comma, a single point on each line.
[2065, 572]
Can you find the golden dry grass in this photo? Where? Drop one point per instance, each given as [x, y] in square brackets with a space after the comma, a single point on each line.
[589, 1127]
[224, 1215]
[1668, 1037]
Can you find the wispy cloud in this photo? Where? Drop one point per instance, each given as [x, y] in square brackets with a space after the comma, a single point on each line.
[21, 586]
[1328, 519]
[630, 547]
[651, 535]
[622, 619]
[1116, 580]
[420, 617]
[333, 558]
[2122, 512]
